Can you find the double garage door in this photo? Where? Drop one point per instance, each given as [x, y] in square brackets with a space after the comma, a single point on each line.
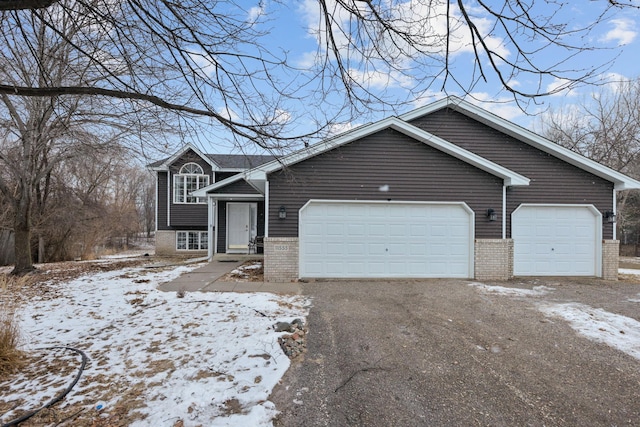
[348, 239]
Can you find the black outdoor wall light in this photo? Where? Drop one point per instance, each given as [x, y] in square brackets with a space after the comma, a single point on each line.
[610, 216]
[492, 215]
[282, 213]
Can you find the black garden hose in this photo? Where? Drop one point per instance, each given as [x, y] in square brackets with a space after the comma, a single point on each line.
[58, 397]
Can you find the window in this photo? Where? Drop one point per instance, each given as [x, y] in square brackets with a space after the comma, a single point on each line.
[190, 178]
[192, 240]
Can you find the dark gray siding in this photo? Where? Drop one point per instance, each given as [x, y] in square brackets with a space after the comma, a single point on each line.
[188, 216]
[161, 201]
[224, 175]
[552, 180]
[238, 187]
[412, 170]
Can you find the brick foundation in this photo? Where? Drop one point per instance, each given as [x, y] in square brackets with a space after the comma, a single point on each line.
[165, 242]
[610, 253]
[493, 259]
[280, 259]
[166, 245]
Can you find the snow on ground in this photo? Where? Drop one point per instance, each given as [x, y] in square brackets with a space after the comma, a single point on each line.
[620, 332]
[205, 359]
[629, 271]
[501, 290]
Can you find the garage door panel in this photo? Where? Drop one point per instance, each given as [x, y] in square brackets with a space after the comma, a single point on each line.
[388, 240]
[556, 240]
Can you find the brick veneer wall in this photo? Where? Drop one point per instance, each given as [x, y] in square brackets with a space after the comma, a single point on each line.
[165, 242]
[166, 245]
[493, 259]
[280, 259]
[610, 253]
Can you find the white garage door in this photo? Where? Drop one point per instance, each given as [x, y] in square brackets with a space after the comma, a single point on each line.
[389, 239]
[556, 240]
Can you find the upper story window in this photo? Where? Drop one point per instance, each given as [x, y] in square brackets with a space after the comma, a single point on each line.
[190, 178]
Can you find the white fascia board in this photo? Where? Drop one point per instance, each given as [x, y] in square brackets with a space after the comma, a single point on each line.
[620, 180]
[510, 177]
[232, 197]
[202, 192]
[177, 154]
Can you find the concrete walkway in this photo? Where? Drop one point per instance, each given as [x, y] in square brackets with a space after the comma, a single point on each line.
[206, 279]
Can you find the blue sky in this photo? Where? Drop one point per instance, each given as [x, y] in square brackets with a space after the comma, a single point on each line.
[291, 22]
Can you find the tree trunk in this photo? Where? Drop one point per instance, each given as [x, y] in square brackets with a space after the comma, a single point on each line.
[22, 231]
[41, 257]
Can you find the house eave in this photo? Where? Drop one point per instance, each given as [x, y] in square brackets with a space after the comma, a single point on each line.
[236, 197]
[620, 180]
[510, 178]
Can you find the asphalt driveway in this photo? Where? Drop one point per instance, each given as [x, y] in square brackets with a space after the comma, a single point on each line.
[442, 352]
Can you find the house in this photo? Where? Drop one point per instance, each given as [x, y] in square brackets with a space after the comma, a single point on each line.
[184, 222]
[447, 190]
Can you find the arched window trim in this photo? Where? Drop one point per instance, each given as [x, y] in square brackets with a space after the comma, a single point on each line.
[191, 169]
[190, 177]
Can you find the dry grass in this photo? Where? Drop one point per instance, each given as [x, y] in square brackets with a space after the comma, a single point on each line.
[11, 359]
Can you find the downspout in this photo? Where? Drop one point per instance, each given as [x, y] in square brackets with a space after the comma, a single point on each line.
[266, 209]
[169, 186]
[211, 227]
[615, 212]
[155, 196]
[504, 212]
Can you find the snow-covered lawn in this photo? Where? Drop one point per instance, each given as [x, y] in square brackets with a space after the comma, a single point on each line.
[209, 359]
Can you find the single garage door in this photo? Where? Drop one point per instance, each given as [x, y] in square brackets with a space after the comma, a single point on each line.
[556, 240]
[385, 239]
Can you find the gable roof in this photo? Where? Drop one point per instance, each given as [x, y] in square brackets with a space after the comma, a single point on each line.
[230, 162]
[620, 180]
[163, 165]
[510, 177]
[202, 192]
[240, 161]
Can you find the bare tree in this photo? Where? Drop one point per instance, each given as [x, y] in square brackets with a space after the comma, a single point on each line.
[38, 134]
[605, 127]
[212, 59]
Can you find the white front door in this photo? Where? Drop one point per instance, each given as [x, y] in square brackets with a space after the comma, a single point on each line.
[241, 222]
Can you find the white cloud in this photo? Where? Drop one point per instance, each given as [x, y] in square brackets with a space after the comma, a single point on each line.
[425, 22]
[282, 117]
[228, 113]
[561, 87]
[338, 128]
[623, 31]
[380, 79]
[427, 97]
[504, 107]
[257, 12]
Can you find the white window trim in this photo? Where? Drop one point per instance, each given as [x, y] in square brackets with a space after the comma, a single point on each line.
[187, 232]
[199, 200]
